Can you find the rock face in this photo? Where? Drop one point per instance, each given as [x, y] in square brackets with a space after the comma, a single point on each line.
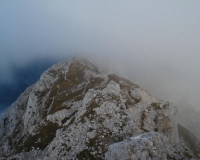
[151, 145]
[76, 111]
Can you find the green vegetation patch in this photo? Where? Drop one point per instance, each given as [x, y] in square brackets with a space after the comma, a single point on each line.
[61, 89]
[156, 120]
[90, 112]
[143, 117]
[12, 141]
[55, 88]
[76, 73]
[95, 82]
[129, 103]
[156, 123]
[40, 94]
[170, 157]
[85, 154]
[117, 79]
[67, 118]
[44, 136]
[156, 105]
[59, 99]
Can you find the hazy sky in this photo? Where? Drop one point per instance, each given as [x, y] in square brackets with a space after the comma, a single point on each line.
[156, 43]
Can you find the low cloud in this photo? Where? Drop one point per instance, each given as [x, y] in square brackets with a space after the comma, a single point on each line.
[155, 44]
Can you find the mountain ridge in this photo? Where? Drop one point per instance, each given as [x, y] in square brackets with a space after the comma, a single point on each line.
[77, 111]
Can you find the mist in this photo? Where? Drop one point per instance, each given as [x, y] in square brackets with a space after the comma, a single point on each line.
[155, 44]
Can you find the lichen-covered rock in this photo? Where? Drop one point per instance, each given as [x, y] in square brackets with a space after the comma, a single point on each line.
[76, 111]
[146, 146]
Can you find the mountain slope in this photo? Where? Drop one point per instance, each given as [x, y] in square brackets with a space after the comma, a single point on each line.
[22, 77]
[76, 111]
[190, 139]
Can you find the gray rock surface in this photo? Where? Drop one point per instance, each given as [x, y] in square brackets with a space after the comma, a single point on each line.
[76, 111]
[146, 146]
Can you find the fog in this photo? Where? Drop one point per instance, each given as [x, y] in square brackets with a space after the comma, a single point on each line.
[153, 43]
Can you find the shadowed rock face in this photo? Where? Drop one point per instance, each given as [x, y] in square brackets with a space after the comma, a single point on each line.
[192, 142]
[76, 111]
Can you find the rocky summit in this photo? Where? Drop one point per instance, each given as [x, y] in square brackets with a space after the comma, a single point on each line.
[76, 111]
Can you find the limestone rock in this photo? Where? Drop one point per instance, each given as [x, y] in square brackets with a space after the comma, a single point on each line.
[147, 146]
[76, 111]
[136, 95]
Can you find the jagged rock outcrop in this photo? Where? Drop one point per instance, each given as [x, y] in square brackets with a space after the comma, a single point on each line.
[76, 111]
